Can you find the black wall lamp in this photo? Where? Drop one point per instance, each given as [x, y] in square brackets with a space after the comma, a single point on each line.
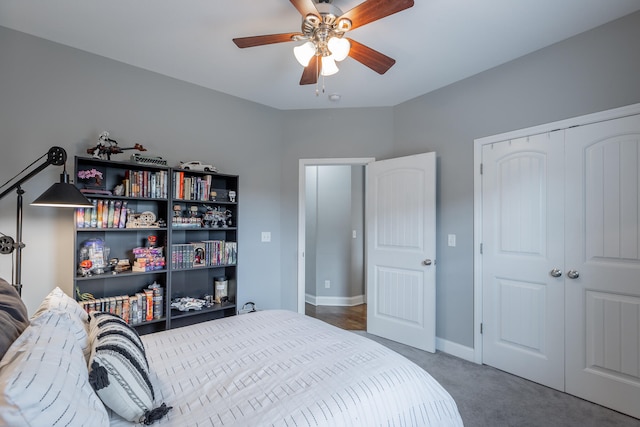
[60, 194]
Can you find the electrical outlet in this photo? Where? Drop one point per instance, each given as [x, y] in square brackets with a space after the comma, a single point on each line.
[327, 284]
[452, 239]
[353, 234]
[266, 236]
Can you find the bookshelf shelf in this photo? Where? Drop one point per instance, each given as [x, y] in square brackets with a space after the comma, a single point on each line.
[163, 213]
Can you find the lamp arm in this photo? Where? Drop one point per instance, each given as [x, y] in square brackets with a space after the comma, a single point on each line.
[55, 156]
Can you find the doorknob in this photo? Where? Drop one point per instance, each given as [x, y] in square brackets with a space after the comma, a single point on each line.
[556, 272]
[427, 262]
[573, 274]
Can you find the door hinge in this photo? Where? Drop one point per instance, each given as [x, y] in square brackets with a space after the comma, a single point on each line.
[480, 248]
[481, 328]
[481, 168]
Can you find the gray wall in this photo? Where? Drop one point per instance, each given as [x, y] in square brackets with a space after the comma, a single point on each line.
[334, 209]
[311, 229]
[594, 71]
[356, 253]
[54, 95]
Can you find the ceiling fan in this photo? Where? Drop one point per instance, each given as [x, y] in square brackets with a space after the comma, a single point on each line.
[323, 30]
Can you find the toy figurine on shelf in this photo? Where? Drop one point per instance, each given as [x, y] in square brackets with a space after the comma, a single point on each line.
[107, 146]
[93, 258]
[208, 218]
[229, 218]
[145, 219]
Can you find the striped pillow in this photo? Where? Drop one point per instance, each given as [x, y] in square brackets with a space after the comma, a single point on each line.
[58, 301]
[118, 368]
[44, 379]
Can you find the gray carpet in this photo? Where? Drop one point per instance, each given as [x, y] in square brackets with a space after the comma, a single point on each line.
[489, 397]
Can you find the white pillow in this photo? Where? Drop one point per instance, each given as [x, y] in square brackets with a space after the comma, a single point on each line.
[44, 379]
[118, 369]
[58, 301]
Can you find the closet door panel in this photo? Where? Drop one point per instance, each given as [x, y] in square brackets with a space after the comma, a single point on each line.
[603, 263]
[523, 241]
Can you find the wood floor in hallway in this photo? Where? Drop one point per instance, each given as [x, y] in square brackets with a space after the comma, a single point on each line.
[352, 318]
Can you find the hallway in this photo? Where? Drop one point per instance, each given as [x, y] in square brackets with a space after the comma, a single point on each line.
[352, 318]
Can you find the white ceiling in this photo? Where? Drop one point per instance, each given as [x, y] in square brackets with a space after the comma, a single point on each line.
[434, 43]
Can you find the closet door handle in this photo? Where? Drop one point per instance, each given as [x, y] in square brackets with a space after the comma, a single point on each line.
[556, 272]
[573, 274]
[427, 262]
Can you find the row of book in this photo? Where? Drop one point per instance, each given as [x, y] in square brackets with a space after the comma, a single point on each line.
[139, 183]
[204, 254]
[192, 187]
[135, 309]
[103, 214]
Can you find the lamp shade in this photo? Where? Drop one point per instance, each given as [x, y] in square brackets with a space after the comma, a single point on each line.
[339, 48]
[329, 66]
[304, 53]
[63, 194]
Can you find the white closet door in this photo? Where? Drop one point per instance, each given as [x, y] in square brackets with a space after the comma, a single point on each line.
[523, 241]
[603, 254]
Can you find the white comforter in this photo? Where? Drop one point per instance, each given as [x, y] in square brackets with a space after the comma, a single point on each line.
[280, 368]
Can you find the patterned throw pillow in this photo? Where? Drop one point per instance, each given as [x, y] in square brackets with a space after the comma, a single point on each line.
[44, 379]
[13, 316]
[119, 371]
[58, 301]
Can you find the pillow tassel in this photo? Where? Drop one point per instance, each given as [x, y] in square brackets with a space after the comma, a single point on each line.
[154, 415]
[98, 377]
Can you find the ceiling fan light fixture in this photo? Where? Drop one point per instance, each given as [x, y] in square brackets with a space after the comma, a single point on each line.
[329, 66]
[343, 25]
[304, 53]
[339, 48]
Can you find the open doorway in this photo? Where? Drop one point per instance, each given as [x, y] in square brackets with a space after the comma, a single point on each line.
[331, 263]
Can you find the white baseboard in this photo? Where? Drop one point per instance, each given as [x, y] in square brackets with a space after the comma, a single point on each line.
[445, 346]
[335, 301]
[455, 349]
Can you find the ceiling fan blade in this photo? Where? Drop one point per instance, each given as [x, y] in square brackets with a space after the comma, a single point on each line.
[373, 59]
[372, 10]
[311, 72]
[305, 7]
[252, 41]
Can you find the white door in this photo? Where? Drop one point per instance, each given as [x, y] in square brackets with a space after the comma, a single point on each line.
[603, 254]
[523, 219]
[401, 244]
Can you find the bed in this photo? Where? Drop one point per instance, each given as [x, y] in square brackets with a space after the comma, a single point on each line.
[268, 368]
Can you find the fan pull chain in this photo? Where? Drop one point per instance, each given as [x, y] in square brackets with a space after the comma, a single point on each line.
[317, 74]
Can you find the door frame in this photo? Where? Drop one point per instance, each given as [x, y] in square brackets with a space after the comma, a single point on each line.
[477, 196]
[302, 164]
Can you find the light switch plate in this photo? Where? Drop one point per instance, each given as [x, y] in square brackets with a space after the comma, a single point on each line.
[266, 236]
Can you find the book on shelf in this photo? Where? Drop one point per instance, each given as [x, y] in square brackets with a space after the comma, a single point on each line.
[116, 213]
[110, 213]
[123, 215]
[105, 213]
[199, 254]
[93, 219]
